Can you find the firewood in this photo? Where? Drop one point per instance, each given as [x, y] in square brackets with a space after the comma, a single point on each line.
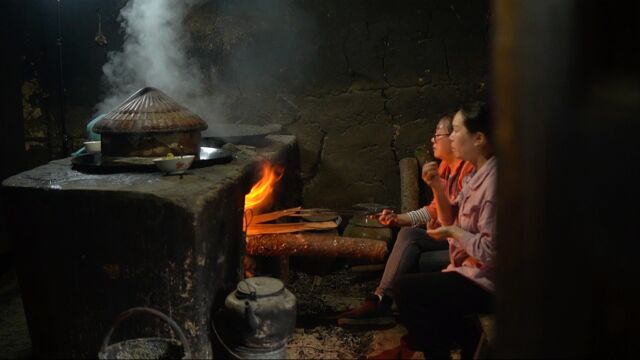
[262, 218]
[255, 229]
[409, 178]
[314, 244]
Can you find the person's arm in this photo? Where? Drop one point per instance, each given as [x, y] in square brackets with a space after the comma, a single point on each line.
[419, 217]
[437, 184]
[479, 245]
[390, 218]
[411, 218]
[432, 212]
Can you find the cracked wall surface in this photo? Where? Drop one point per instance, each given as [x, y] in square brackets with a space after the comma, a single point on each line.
[369, 81]
[360, 83]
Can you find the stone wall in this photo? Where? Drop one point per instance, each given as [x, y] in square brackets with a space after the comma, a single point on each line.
[360, 83]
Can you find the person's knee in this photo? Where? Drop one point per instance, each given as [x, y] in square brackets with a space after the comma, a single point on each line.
[408, 235]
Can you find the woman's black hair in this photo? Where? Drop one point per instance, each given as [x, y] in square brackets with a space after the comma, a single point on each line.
[477, 118]
[449, 121]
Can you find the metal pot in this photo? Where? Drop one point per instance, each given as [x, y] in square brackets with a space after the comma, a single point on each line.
[151, 144]
[146, 348]
[365, 226]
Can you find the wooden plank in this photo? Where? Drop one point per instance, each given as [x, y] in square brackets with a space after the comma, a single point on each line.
[256, 229]
[262, 218]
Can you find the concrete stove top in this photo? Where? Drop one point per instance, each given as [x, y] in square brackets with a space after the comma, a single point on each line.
[88, 247]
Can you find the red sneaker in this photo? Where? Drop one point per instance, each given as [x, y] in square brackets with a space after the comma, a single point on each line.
[372, 314]
[371, 307]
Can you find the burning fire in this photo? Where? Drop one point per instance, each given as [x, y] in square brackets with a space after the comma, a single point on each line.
[257, 199]
[260, 195]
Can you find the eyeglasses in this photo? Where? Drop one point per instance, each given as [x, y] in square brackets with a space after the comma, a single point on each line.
[437, 137]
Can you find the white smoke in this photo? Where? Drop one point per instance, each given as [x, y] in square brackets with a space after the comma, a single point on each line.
[154, 54]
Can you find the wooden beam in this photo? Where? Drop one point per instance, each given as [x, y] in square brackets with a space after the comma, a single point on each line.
[314, 244]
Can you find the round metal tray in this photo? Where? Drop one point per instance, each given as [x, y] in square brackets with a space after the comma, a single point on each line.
[96, 164]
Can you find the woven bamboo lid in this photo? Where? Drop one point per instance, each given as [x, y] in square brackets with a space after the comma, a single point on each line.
[149, 110]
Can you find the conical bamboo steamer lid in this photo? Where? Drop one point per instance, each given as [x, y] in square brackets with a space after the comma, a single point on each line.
[149, 110]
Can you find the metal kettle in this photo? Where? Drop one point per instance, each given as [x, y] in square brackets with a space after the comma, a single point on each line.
[263, 315]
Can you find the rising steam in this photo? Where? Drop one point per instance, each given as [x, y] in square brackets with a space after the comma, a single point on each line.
[154, 54]
[260, 47]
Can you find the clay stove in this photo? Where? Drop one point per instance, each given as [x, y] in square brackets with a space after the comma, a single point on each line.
[88, 247]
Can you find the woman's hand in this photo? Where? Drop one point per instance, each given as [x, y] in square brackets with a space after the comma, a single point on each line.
[388, 218]
[433, 224]
[444, 232]
[430, 174]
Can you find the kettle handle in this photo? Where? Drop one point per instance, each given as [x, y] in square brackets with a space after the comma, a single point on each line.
[254, 321]
[148, 311]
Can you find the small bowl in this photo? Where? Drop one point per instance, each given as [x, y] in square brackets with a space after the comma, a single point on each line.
[174, 165]
[93, 147]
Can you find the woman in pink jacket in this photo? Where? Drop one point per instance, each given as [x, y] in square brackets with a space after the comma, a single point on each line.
[435, 307]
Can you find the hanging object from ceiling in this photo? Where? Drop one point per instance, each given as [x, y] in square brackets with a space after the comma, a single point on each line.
[100, 39]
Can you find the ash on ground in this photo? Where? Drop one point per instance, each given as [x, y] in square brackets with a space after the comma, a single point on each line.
[328, 342]
[320, 299]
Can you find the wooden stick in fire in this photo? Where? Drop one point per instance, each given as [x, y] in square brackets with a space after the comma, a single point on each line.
[262, 218]
[300, 212]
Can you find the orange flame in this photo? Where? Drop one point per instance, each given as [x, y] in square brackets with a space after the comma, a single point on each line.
[257, 199]
[260, 195]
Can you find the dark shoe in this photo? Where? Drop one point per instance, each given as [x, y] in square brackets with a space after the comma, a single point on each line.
[372, 314]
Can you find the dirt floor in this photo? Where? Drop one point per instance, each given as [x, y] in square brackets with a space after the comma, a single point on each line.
[320, 298]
